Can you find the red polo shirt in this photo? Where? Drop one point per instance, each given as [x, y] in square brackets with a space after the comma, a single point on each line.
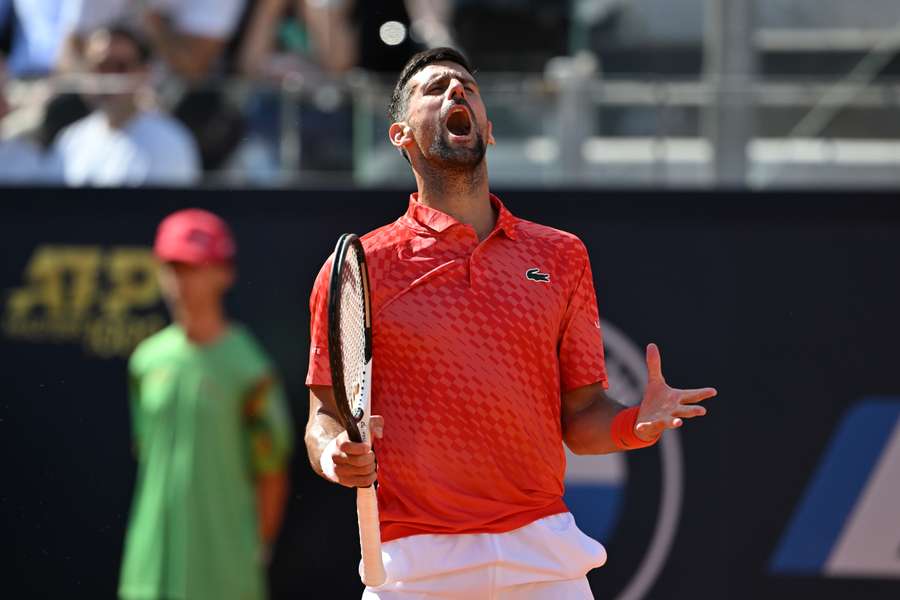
[472, 345]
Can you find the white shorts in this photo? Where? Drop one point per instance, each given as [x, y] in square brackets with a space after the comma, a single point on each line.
[544, 560]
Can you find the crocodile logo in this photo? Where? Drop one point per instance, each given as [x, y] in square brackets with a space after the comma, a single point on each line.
[534, 274]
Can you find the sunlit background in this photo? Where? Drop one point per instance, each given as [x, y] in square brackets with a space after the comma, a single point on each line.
[623, 93]
[732, 166]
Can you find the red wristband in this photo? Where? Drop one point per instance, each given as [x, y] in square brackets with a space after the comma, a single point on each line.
[623, 430]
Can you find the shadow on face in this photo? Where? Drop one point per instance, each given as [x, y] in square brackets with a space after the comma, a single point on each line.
[195, 288]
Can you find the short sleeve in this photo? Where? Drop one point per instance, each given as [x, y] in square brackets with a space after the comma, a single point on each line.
[269, 424]
[580, 346]
[319, 372]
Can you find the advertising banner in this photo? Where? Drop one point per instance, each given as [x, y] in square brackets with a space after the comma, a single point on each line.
[786, 303]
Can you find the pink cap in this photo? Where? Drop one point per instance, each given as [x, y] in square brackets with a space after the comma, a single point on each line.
[194, 236]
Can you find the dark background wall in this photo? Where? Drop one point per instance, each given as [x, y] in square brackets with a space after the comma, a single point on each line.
[785, 302]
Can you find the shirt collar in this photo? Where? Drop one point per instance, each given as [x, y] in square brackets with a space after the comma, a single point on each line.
[420, 216]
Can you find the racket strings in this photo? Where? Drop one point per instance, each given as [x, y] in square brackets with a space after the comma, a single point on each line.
[352, 329]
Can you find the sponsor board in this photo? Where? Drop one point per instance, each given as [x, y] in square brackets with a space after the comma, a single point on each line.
[105, 298]
[847, 524]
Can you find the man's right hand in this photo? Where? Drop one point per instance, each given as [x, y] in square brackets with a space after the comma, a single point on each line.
[352, 464]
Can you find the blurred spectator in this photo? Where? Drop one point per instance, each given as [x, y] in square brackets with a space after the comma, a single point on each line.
[188, 35]
[39, 28]
[298, 37]
[22, 159]
[290, 37]
[217, 126]
[191, 35]
[59, 112]
[122, 142]
[212, 433]
[431, 22]
[85, 16]
[314, 42]
[43, 30]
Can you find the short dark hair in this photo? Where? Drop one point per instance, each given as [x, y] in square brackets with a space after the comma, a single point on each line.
[136, 39]
[400, 95]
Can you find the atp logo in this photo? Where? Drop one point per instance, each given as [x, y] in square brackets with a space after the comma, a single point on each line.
[848, 522]
[105, 298]
[595, 485]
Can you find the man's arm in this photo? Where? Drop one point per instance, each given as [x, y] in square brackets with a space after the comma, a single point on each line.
[323, 425]
[588, 414]
[259, 40]
[271, 498]
[268, 423]
[331, 454]
[334, 36]
[430, 20]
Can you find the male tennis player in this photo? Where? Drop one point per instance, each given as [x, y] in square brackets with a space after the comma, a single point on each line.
[487, 358]
[212, 433]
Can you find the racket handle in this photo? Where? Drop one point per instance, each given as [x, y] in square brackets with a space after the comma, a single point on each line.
[373, 573]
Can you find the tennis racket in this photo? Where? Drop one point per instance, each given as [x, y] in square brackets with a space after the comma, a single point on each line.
[350, 354]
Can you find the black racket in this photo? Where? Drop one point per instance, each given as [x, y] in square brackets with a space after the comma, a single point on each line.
[350, 355]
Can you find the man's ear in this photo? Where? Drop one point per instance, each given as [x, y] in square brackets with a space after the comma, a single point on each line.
[490, 134]
[401, 135]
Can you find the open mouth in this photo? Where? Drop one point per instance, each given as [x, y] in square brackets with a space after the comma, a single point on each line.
[459, 123]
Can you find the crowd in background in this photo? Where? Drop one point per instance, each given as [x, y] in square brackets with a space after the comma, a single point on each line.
[135, 89]
[157, 115]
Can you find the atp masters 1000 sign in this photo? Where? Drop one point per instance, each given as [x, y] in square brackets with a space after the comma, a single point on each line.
[105, 298]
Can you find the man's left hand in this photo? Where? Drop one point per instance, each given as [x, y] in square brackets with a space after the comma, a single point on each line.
[665, 407]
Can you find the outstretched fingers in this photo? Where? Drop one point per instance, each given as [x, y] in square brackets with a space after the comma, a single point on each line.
[654, 363]
[651, 429]
[689, 412]
[698, 395]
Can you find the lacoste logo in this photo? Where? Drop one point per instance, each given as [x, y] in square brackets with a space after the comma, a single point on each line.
[536, 275]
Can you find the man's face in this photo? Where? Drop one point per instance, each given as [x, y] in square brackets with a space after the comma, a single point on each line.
[195, 288]
[109, 54]
[447, 116]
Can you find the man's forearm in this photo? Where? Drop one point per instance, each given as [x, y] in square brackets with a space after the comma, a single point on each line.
[271, 497]
[321, 427]
[587, 417]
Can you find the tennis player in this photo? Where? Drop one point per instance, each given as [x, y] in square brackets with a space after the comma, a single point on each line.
[487, 359]
[212, 433]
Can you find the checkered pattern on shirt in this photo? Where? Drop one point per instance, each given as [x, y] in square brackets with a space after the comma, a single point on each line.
[469, 359]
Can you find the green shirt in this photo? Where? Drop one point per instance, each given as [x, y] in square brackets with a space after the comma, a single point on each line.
[207, 419]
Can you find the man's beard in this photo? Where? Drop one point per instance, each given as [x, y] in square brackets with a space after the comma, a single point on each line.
[458, 157]
[455, 156]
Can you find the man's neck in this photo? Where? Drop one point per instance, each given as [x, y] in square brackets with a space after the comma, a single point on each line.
[465, 196]
[119, 115]
[203, 327]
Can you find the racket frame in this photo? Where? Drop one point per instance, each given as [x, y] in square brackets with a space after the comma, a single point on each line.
[356, 420]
